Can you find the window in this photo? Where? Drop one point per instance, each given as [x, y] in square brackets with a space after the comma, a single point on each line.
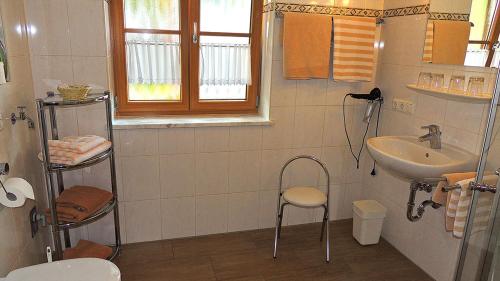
[186, 56]
[484, 34]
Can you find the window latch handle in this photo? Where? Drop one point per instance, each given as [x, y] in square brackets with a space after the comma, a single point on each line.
[195, 33]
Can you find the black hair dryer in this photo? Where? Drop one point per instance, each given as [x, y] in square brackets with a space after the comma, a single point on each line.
[375, 95]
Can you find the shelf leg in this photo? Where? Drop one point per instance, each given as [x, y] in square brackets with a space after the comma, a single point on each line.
[116, 211]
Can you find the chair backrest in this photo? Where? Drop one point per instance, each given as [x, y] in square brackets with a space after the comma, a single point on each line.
[312, 158]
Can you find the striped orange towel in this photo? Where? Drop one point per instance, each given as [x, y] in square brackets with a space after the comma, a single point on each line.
[429, 42]
[353, 49]
[482, 211]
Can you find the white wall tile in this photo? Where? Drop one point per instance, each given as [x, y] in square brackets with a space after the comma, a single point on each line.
[267, 208]
[242, 211]
[283, 91]
[334, 126]
[141, 179]
[50, 18]
[176, 140]
[91, 71]
[87, 30]
[304, 172]
[211, 214]
[272, 162]
[178, 217]
[245, 138]
[308, 128]
[280, 134]
[143, 220]
[138, 142]
[311, 92]
[212, 173]
[177, 175]
[212, 139]
[244, 171]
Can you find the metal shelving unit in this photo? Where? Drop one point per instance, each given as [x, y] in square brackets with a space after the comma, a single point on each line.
[50, 104]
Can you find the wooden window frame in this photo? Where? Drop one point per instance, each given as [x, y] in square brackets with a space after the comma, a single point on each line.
[493, 34]
[190, 103]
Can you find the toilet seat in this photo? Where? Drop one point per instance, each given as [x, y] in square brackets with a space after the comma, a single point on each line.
[86, 269]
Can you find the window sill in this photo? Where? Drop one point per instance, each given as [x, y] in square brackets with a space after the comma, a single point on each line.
[123, 123]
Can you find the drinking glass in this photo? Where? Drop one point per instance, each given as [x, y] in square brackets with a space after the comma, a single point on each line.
[437, 81]
[457, 83]
[476, 85]
[424, 80]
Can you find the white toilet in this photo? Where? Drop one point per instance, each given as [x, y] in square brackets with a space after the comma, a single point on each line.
[88, 269]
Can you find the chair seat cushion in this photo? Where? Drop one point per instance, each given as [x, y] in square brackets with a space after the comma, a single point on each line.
[304, 196]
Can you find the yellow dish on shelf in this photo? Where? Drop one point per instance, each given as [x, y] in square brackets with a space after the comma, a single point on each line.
[74, 92]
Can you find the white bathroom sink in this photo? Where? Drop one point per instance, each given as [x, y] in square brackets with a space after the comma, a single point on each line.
[88, 269]
[409, 158]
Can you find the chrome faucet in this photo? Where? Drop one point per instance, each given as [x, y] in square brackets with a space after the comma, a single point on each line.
[434, 136]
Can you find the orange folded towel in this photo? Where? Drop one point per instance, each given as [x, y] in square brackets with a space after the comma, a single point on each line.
[72, 158]
[67, 215]
[87, 249]
[84, 198]
[306, 45]
[79, 202]
[78, 144]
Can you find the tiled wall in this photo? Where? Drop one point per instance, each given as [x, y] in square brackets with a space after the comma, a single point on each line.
[69, 44]
[425, 242]
[17, 248]
[196, 181]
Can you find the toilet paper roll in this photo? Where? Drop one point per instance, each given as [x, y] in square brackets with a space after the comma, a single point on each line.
[21, 188]
[3, 79]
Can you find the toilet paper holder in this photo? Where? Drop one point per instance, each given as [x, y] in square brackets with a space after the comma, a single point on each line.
[4, 169]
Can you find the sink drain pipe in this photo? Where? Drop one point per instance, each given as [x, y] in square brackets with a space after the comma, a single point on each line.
[414, 187]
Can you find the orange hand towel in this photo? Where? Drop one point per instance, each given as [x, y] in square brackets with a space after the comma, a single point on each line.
[87, 249]
[450, 42]
[66, 215]
[80, 202]
[306, 45]
[84, 198]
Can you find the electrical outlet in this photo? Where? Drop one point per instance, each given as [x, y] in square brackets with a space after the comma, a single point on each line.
[404, 106]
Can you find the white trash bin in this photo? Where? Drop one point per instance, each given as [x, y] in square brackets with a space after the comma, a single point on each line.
[368, 217]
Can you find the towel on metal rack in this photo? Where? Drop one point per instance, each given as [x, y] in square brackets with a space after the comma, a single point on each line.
[77, 144]
[460, 200]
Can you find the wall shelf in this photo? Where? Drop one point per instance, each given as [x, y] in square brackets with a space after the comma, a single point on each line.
[483, 98]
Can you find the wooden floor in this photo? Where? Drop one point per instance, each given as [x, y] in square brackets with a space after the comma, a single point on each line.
[247, 256]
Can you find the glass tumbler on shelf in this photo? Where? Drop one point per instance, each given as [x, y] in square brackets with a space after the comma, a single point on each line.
[457, 84]
[437, 82]
[476, 85]
[424, 80]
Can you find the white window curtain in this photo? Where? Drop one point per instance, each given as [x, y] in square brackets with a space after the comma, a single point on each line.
[225, 64]
[153, 62]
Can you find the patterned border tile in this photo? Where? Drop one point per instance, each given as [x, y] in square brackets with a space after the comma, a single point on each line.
[281, 7]
[448, 16]
[407, 11]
